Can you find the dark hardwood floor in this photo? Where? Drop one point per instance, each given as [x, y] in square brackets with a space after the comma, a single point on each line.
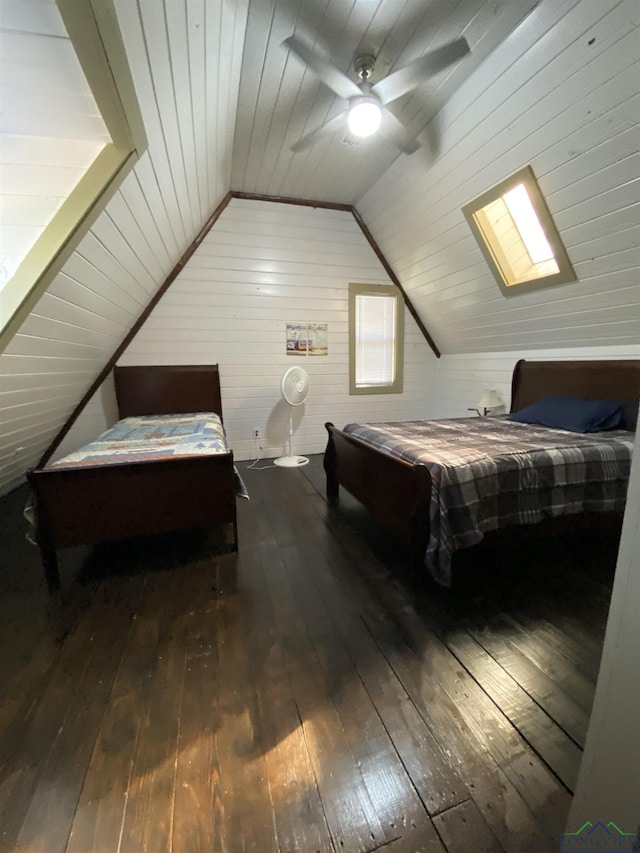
[308, 694]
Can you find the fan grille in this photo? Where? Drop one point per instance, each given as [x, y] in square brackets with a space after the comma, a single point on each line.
[295, 386]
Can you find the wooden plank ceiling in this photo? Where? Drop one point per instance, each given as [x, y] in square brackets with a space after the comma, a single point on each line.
[280, 99]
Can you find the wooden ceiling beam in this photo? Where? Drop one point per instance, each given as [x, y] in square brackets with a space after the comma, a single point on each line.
[394, 278]
[370, 240]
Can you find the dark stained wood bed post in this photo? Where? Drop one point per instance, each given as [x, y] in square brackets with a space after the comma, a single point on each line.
[397, 493]
[329, 462]
[45, 540]
[49, 559]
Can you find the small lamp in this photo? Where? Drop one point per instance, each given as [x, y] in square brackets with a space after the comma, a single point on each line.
[489, 400]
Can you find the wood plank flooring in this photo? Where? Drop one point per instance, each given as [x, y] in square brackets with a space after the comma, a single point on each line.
[308, 694]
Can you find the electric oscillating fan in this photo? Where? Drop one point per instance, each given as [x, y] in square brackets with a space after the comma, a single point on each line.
[294, 387]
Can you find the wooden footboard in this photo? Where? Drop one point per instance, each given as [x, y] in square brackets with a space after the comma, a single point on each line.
[395, 492]
[77, 506]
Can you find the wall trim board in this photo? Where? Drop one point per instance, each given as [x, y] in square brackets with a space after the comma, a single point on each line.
[303, 202]
[177, 269]
[135, 328]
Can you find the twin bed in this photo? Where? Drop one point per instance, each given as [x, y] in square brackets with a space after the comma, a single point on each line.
[163, 477]
[505, 474]
[444, 484]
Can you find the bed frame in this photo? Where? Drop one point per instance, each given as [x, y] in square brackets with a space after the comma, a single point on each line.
[78, 506]
[397, 493]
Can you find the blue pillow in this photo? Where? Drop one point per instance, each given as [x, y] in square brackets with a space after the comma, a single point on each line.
[572, 414]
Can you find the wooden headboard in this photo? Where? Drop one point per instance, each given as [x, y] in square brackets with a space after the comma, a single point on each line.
[167, 389]
[587, 380]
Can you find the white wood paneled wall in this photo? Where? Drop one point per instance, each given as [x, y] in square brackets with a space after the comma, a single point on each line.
[185, 60]
[607, 783]
[561, 94]
[463, 377]
[263, 265]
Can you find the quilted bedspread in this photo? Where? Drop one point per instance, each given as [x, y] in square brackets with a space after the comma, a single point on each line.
[489, 473]
[149, 437]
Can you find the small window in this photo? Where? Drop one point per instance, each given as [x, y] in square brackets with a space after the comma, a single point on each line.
[515, 231]
[376, 339]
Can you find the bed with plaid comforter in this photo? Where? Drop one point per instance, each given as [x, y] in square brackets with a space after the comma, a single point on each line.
[489, 473]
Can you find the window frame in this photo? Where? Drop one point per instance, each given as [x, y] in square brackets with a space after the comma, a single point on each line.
[387, 290]
[95, 35]
[493, 254]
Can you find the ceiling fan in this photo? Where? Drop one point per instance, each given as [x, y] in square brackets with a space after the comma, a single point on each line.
[366, 111]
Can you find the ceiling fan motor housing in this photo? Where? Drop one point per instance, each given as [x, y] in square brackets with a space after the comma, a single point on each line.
[364, 65]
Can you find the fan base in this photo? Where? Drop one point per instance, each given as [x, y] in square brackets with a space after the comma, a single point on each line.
[291, 461]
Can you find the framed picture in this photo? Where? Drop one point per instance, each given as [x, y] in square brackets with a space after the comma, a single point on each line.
[305, 339]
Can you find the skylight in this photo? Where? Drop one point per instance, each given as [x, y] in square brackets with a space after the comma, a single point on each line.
[51, 129]
[517, 236]
[71, 130]
[528, 224]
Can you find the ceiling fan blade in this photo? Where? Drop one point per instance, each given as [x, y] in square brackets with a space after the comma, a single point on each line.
[318, 132]
[330, 76]
[394, 130]
[405, 79]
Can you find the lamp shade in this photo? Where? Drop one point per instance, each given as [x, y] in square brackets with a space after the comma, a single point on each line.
[364, 116]
[490, 400]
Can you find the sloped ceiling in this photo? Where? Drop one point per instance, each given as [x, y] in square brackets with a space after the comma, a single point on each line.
[547, 83]
[560, 94]
[280, 99]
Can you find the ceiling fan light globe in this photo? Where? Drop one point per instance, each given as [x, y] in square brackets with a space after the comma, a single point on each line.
[364, 117]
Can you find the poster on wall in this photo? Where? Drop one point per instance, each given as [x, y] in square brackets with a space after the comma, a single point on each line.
[307, 339]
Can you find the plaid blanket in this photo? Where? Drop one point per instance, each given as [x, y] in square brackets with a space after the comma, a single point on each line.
[489, 473]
